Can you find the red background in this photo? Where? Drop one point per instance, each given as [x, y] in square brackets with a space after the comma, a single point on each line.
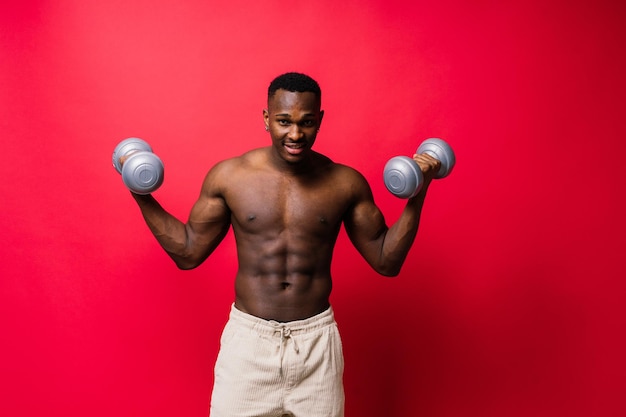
[511, 302]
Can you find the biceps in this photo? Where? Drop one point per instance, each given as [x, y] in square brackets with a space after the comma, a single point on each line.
[366, 227]
[208, 222]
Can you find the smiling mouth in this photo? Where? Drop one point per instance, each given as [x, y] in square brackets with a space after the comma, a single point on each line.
[294, 148]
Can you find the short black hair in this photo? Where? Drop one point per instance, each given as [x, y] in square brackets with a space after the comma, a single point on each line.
[294, 82]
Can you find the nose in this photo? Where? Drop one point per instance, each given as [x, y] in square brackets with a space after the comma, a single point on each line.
[295, 133]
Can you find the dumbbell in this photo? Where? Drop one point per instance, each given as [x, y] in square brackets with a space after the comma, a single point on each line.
[142, 170]
[403, 177]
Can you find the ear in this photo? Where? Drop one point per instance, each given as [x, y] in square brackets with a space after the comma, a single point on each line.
[266, 117]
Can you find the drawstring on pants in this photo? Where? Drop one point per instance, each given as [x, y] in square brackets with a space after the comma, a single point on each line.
[285, 333]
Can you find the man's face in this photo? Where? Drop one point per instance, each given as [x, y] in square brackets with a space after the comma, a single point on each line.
[293, 120]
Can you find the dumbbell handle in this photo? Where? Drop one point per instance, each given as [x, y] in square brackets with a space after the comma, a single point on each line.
[441, 151]
[123, 158]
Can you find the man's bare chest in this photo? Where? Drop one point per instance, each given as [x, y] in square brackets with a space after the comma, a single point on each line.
[266, 204]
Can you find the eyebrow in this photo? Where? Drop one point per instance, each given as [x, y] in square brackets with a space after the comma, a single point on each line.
[288, 115]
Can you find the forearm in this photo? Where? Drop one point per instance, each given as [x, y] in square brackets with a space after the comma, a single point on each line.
[398, 239]
[170, 232]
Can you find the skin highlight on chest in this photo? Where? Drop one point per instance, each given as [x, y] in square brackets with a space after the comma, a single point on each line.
[271, 201]
[304, 213]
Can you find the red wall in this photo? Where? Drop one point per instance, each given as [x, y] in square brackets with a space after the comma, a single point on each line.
[512, 300]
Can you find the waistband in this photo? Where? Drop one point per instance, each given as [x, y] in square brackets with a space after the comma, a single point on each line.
[271, 327]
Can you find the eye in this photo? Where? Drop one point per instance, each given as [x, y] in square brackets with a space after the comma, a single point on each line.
[283, 122]
[308, 123]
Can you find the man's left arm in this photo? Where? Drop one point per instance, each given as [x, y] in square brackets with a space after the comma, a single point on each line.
[385, 248]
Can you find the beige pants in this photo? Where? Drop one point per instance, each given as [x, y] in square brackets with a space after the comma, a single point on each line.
[266, 368]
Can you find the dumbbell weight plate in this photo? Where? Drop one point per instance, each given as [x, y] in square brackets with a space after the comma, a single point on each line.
[143, 172]
[126, 147]
[402, 177]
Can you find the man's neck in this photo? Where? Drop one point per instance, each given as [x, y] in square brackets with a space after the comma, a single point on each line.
[291, 168]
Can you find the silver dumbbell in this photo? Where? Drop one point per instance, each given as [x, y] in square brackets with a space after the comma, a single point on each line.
[403, 177]
[142, 171]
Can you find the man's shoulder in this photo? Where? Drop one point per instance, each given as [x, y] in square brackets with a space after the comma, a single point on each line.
[347, 179]
[245, 160]
[232, 172]
[346, 171]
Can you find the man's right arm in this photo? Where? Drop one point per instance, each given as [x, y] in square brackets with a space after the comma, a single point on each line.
[188, 244]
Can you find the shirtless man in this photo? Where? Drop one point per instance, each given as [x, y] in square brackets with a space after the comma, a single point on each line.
[280, 351]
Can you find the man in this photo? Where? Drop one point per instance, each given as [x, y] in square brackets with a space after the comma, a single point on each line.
[280, 351]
